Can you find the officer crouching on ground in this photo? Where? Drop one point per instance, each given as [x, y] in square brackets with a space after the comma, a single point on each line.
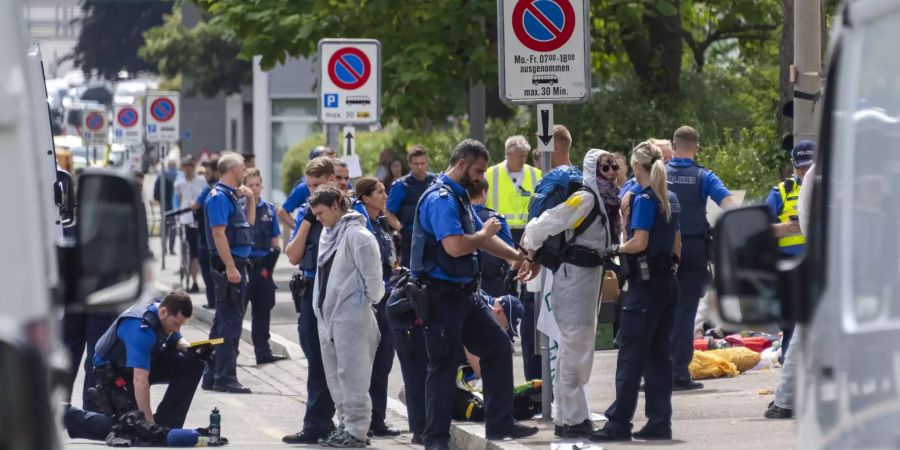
[144, 347]
[229, 231]
[447, 236]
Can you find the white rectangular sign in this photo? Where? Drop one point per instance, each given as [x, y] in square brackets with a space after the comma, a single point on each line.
[349, 81]
[128, 124]
[94, 126]
[162, 116]
[544, 51]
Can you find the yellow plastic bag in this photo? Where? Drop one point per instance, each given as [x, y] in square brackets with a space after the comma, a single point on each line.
[708, 365]
[742, 357]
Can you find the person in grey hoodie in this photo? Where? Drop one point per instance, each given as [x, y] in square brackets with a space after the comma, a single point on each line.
[576, 290]
[348, 283]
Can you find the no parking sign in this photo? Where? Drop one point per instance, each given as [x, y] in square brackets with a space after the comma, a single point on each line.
[163, 116]
[544, 51]
[94, 126]
[350, 82]
[128, 125]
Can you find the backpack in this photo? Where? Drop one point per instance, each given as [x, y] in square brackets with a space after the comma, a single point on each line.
[555, 188]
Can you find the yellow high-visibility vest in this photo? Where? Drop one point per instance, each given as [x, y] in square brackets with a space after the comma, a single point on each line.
[505, 198]
[789, 209]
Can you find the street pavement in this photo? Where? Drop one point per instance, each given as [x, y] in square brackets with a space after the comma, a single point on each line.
[726, 414]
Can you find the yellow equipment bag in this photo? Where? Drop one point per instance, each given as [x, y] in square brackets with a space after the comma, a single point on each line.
[742, 357]
[708, 365]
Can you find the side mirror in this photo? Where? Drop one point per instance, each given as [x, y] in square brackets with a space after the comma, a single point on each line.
[110, 240]
[746, 263]
[64, 197]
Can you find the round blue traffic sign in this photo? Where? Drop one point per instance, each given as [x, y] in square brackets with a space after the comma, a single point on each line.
[349, 68]
[543, 25]
[162, 109]
[127, 117]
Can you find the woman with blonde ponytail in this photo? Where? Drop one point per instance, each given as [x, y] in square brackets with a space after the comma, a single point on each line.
[650, 253]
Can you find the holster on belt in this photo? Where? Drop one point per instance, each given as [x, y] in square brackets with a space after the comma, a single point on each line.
[417, 293]
[111, 393]
[298, 285]
[226, 291]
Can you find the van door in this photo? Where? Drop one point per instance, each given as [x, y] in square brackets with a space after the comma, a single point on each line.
[850, 368]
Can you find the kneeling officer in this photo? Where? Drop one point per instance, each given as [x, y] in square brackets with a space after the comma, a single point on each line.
[143, 347]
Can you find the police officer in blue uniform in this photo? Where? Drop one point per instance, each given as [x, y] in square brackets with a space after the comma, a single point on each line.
[493, 269]
[304, 251]
[693, 184]
[229, 230]
[203, 253]
[651, 254]
[298, 195]
[447, 236]
[371, 200]
[144, 347]
[405, 195]
[261, 285]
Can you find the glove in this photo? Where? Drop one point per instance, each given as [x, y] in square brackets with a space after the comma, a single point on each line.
[201, 352]
[609, 252]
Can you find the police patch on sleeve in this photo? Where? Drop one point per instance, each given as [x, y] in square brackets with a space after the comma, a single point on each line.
[645, 196]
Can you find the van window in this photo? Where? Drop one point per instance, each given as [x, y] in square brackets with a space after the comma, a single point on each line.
[867, 181]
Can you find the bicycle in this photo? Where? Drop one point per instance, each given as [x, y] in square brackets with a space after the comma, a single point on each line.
[184, 268]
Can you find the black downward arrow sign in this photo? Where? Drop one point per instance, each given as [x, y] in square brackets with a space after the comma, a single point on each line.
[349, 146]
[545, 135]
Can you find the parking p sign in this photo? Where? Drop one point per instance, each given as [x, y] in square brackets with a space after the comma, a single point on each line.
[162, 116]
[544, 51]
[350, 84]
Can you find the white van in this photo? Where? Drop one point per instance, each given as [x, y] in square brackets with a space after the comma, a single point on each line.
[845, 290]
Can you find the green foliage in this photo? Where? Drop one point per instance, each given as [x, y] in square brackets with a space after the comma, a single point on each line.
[204, 54]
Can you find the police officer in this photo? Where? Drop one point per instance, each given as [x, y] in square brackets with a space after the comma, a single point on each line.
[693, 184]
[228, 228]
[261, 285]
[651, 252]
[203, 253]
[493, 269]
[782, 204]
[303, 250]
[371, 195]
[404, 196]
[144, 347]
[298, 195]
[446, 240]
[512, 182]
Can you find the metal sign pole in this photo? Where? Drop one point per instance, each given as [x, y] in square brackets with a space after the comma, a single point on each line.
[162, 201]
[545, 147]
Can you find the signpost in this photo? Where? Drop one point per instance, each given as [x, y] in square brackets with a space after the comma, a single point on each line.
[128, 124]
[544, 60]
[163, 119]
[350, 84]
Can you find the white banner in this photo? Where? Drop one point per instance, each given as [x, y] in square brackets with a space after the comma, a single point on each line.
[546, 323]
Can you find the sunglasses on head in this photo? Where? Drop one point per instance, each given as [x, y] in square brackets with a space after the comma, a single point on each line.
[605, 168]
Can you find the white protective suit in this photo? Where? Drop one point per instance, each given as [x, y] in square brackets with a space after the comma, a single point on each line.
[574, 295]
[348, 331]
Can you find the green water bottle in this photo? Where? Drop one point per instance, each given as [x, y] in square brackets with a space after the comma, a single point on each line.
[215, 427]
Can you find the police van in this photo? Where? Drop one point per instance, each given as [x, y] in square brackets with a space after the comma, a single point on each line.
[845, 290]
[44, 271]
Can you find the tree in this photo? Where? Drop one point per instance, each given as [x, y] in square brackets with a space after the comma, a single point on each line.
[204, 54]
[112, 33]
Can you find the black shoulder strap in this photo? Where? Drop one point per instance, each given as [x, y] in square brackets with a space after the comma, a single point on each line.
[595, 212]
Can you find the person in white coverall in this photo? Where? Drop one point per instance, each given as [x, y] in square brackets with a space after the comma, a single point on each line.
[574, 297]
[348, 283]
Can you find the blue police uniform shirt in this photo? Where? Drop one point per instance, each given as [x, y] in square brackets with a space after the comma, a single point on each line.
[643, 213]
[218, 209]
[710, 186]
[776, 205]
[504, 233]
[631, 185]
[439, 217]
[396, 197]
[298, 196]
[138, 340]
[276, 230]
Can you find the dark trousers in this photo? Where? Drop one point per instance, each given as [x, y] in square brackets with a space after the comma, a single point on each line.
[644, 343]
[530, 360]
[788, 329]
[182, 375]
[319, 405]
[230, 301]
[409, 341]
[405, 246]
[693, 279]
[381, 367]
[203, 259]
[261, 300]
[455, 317]
[80, 333]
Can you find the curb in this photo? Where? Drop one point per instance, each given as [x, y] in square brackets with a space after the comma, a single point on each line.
[462, 435]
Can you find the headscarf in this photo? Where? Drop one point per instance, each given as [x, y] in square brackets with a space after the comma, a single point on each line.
[609, 193]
